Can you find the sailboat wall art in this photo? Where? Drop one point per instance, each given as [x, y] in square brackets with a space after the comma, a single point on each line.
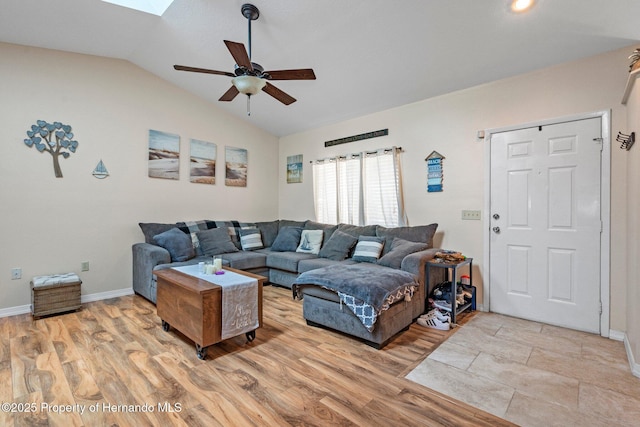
[100, 171]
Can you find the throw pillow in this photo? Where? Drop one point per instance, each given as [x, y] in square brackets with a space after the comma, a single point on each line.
[192, 227]
[400, 248]
[368, 249]
[287, 239]
[216, 241]
[250, 239]
[310, 241]
[177, 243]
[338, 246]
[417, 233]
[150, 229]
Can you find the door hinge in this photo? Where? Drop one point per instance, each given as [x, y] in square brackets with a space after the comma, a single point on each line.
[600, 307]
[599, 141]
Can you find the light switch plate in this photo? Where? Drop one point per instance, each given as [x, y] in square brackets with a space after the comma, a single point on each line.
[471, 215]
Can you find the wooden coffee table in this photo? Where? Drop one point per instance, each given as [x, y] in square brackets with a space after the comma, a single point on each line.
[194, 306]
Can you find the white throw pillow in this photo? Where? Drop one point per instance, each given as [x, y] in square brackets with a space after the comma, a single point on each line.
[310, 241]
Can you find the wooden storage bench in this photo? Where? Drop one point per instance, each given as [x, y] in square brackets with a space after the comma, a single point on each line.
[55, 294]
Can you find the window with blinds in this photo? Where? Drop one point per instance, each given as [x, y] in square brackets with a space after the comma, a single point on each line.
[360, 189]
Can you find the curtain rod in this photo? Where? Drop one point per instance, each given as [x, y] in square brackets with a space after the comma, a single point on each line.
[344, 156]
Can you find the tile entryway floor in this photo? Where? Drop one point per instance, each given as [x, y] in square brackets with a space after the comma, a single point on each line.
[534, 374]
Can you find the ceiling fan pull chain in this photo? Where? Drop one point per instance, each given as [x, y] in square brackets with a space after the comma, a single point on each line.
[248, 105]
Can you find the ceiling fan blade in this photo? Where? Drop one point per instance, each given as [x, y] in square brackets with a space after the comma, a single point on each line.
[239, 53]
[281, 96]
[230, 94]
[301, 74]
[202, 70]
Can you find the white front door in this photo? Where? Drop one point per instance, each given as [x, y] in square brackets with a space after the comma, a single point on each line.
[546, 224]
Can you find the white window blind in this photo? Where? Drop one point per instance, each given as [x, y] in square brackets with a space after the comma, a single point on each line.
[364, 188]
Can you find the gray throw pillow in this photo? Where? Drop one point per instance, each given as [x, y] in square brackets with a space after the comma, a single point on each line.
[368, 249]
[150, 229]
[177, 243]
[216, 241]
[338, 246]
[417, 233]
[400, 248]
[287, 239]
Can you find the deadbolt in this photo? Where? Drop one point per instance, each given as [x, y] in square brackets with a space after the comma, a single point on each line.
[496, 216]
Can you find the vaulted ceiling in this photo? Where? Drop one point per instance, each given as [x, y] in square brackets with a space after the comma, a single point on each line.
[368, 55]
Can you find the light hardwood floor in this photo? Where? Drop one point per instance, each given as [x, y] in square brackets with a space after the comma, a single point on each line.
[113, 361]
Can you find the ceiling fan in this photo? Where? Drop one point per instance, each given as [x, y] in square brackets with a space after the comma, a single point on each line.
[249, 77]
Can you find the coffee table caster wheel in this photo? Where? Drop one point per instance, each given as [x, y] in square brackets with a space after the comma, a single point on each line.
[201, 352]
[165, 326]
[251, 336]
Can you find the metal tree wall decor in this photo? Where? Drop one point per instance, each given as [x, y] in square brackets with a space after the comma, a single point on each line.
[55, 138]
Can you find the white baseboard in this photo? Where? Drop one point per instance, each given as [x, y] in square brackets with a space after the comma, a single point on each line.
[635, 367]
[106, 295]
[14, 311]
[616, 335]
[24, 309]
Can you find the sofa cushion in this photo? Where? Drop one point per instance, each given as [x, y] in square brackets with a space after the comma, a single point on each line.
[291, 223]
[419, 233]
[310, 241]
[287, 240]
[216, 241]
[150, 229]
[177, 243]
[245, 260]
[250, 239]
[327, 228]
[368, 249]
[286, 260]
[338, 246]
[233, 228]
[400, 248]
[358, 230]
[269, 231]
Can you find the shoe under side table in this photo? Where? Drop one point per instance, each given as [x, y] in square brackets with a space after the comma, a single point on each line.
[452, 268]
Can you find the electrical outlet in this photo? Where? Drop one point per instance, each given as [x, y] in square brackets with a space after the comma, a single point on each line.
[471, 215]
[85, 266]
[16, 273]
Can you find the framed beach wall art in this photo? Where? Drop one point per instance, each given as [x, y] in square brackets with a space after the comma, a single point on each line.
[164, 155]
[202, 164]
[236, 165]
[294, 169]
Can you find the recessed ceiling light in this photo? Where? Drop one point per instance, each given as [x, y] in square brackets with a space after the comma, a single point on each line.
[521, 5]
[155, 7]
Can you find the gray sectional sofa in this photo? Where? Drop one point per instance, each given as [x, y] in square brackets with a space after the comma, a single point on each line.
[281, 250]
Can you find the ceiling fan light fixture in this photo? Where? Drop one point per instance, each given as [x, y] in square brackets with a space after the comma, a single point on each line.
[520, 6]
[248, 85]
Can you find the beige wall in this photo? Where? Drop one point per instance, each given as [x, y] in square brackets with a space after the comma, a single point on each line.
[449, 124]
[51, 225]
[633, 228]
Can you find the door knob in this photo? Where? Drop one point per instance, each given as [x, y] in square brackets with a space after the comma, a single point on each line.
[496, 229]
[496, 216]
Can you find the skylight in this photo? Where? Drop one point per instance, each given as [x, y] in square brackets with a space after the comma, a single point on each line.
[155, 7]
